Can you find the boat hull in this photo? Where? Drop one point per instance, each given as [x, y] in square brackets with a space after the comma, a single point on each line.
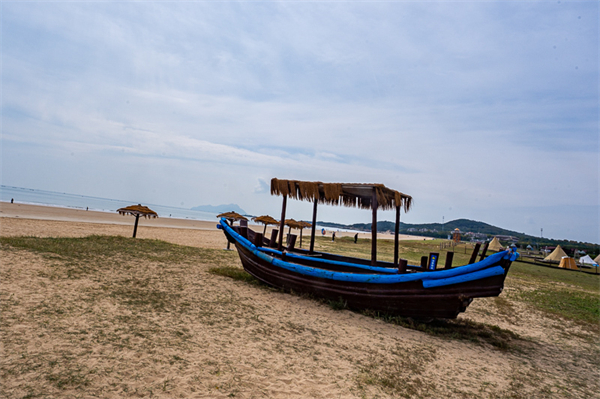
[408, 298]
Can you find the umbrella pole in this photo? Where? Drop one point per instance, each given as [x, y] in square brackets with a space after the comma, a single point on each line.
[137, 218]
[396, 231]
[301, 228]
[312, 230]
[282, 223]
[265, 230]
[374, 229]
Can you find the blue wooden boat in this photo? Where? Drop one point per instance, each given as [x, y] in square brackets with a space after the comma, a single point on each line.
[420, 291]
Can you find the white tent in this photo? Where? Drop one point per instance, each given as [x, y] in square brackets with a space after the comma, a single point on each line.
[587, 260]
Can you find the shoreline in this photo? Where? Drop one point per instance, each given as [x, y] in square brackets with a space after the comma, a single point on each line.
[75, 215]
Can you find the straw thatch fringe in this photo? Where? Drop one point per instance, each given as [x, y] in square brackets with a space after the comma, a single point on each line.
[351, 195]
[137, 210]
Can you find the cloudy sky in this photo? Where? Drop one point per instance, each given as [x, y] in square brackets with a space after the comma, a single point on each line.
[481, 110]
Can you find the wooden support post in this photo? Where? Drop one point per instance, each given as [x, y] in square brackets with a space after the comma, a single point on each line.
[291, 241]
[137, 218]
[396, 232]
[374, 229]
[424, 260]
[282, 223]
[313, 227]
[273, 241]
[402, 264]
[244, 232]
[449, 257]
[475, 253]
[258, 239]
[484, 250]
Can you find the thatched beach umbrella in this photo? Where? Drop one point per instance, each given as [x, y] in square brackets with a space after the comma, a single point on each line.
[231, 216]
[293, 224]
[137, 211]
[303, 225]
[266, 220]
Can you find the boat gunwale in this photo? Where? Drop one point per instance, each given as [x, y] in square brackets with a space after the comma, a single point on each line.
[491, 266]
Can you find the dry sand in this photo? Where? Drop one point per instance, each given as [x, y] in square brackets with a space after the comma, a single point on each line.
[73, 337]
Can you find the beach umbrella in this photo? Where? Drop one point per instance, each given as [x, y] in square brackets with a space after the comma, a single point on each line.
[137, 211]
[293, 224]
[231, 216]
[266, 220]
[303, 225]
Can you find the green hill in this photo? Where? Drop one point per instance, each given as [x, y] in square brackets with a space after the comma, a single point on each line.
[465, 226]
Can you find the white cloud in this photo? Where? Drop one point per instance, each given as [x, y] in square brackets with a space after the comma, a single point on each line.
[469, 106]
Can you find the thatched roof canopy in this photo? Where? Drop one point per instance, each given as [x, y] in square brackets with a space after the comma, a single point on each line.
[232, 216]
[347, 194]
[138, 210]
[265, 219]
[293, 224]
[305, 224]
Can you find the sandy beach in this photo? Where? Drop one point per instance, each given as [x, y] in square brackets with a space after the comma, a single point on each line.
[48, 221]
[160, 324]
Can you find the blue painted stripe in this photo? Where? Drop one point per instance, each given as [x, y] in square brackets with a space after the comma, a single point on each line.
[447, 274]
[492, 271]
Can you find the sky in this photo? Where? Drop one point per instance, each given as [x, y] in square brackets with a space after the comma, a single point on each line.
[481, 110]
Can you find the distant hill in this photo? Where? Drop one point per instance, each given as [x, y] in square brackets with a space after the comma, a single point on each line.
[464, 225]
[220, 208]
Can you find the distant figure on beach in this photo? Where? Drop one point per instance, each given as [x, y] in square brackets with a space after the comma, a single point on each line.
[333, 236]
[12, 200]
[86, 208]
[355, 238]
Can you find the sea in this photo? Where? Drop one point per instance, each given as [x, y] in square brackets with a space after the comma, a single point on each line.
[31, 196]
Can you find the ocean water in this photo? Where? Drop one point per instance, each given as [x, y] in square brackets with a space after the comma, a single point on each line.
[75, 201]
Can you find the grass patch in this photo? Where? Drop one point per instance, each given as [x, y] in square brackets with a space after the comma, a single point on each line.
[579, 306]
[91, 250]
[235, 273]
[548, 275]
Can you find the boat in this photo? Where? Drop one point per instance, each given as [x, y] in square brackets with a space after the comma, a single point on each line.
[427, 290]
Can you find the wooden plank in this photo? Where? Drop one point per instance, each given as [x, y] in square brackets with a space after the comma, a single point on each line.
[449, 257]
[273, 240]
[258, 239]
[402, 264]
[475, 253]
[291, 242]
[424, 260]
[484, 250]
